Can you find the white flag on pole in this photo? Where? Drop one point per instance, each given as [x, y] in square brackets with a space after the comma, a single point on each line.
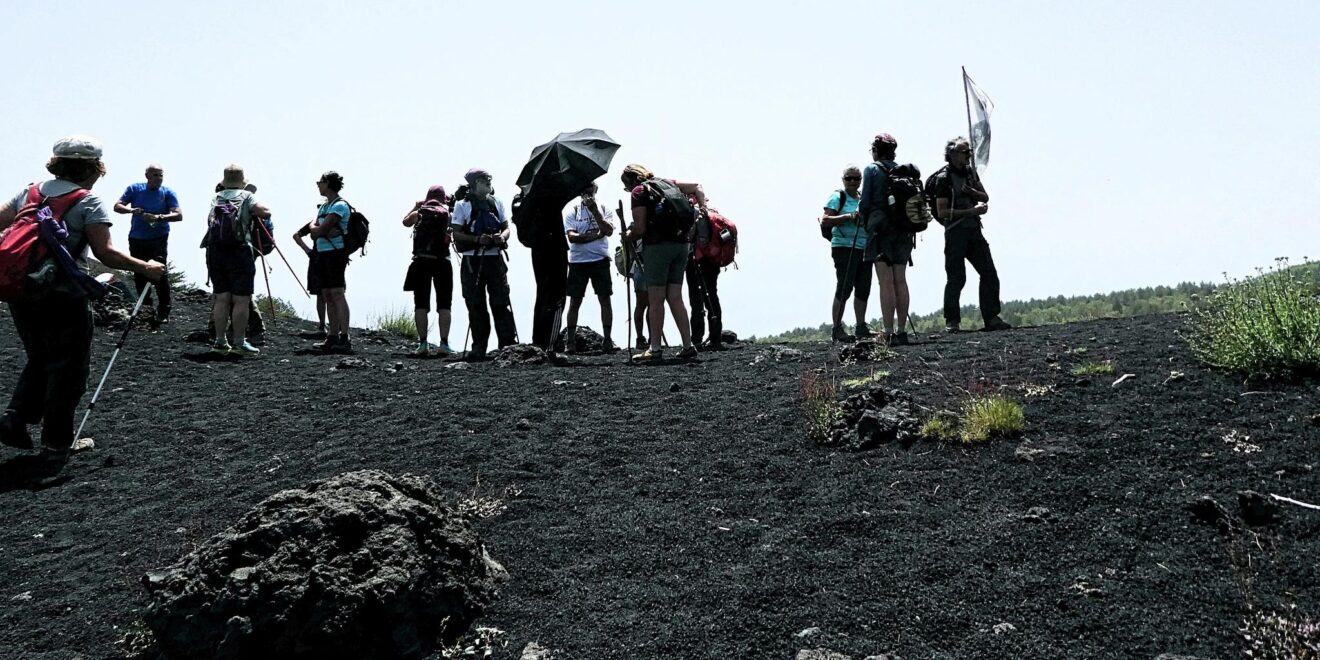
[981, 107]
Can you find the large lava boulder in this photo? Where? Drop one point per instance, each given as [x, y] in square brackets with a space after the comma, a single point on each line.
[874, 417]
[361, 565]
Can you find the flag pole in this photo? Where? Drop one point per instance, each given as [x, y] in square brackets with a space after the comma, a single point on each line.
[967, 100]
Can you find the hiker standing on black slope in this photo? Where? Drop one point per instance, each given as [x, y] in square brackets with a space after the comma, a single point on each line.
[663, 219]
[848, 241]
[960, 201]
[153, 207]
[890, 249]
[56, 328]
[329, 229]
[430, 221]
[588, 226]
[313, 277]
[231, 261]
[544, 222]
[256, 327]
[481, 234]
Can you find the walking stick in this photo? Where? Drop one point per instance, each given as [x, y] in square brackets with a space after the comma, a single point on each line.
[265, 272]
[286, 261]
[122, 337]
[627, 274]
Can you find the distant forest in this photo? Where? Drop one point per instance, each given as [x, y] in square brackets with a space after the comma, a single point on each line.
[1058, 309]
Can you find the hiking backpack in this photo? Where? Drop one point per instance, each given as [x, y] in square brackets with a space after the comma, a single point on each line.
[224, 225]
[673, 214]
[716, 248]
[827, 233]
[909, 212]
[33, 256]
[431, 233]
[522, 224]
[263, 236]
[359, 230]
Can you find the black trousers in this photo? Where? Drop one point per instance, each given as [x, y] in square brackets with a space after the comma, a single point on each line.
[962, 246]
[550, 266]
[57, 336]
[152, 249]
[487, 278]
[704, 297]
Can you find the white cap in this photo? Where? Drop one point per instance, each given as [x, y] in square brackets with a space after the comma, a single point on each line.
[80, 147]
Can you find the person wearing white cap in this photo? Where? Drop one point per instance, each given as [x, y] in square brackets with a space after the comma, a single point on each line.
[56, 330]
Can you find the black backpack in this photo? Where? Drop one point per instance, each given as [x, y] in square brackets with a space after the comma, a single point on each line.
[674, 215]
[909, 212]
[522, 225]
[359, 229]
[827, 233]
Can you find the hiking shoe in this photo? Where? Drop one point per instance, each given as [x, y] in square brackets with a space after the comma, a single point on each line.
[245, 349]
[13, 432]
[649, 355]
[221, 348]
[997, 323]
[344, 345]
[608, 346]
[900, 339]
[423, 349]
[444, 349]
[952, 328]
[642, 344]
[841, 335]
[327, 344]
[570, 345]
[863, 331]
[688, 353]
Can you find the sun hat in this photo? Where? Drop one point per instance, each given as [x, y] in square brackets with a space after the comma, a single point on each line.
[234, 177]
[474, 174]
[78, 147]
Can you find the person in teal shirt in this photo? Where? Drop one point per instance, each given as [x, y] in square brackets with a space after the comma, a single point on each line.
[852, 270]
[328, 229]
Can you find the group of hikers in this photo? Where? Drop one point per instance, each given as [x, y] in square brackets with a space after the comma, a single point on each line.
[874, 220]
[675, 237]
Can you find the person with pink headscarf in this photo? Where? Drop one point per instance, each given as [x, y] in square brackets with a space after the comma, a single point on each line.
[430, 267]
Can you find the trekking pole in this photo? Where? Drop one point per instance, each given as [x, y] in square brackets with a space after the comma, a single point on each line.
[476, 285]
[627, 275]
[265, 272]
[286, 261]
[122, 337]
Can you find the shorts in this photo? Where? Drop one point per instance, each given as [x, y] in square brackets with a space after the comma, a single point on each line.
[231, 270]
[332, 265]
[851, 273]
[639, 279]
[421, 274]
[596, 272]
[313, 274]
[665, 263]
[892, 249]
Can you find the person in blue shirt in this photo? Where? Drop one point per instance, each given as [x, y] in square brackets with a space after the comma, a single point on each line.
[852, 270]
[328, 230]
[890, 249]
[153, 207]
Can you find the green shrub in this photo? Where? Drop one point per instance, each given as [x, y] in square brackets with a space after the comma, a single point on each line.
[868, 380]
[176, 278]
[399, 322]
[1266, 326]
[284, 310]
[820, 400]
[943, 426]
[989, 417]
[1094, 369]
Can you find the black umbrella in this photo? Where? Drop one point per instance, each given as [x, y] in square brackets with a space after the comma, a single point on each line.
[562, 167]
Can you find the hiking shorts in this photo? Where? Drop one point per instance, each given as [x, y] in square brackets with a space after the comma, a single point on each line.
[332, 264]
[638, 278]
[422, 273]
[595, 272]
[665, 263]
[852, 274]
[313, 274]
[231, 270]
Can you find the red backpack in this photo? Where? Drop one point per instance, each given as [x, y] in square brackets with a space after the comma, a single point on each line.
[32, 252]
[722, 246]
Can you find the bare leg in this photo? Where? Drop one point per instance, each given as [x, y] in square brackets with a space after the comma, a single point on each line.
[639, 313]
[885, 274]
[240, 316]
[606, 316]
[320, 310]
[220, 309]
[444, 322]
[901, 296]
[655, 314]
[679, 312]
[331, 310]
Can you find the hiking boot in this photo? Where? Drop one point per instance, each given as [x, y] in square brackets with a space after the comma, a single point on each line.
[688, 353]
[475, 356]
[221, 347]
[642, 344]
[444, 349]
[649, 355]
[887, 339]
[162, 316]
[863, 331]
[570, 345]
[841, 336]
[344, 345]
[900, 339]
[13, 432]
[607, 346]
[245, 348]
[997, 323]
[328, 344]
[952, 328]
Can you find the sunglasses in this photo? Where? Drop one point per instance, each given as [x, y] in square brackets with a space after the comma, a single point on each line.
[852, 178]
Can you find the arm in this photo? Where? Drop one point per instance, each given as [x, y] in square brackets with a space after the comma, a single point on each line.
[605, 227]
[121, 207]
[944, 211]
[175, 213]
[323, 230]
[411, 218]
[98, 237]
[260, 210]
[833, 217]
[303, 231]
[694, 189]
[638, 228]
[7, 214]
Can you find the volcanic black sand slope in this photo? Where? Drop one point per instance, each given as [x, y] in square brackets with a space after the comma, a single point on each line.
[679, 511]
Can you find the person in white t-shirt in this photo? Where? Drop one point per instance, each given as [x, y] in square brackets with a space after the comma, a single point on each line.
[588, 227]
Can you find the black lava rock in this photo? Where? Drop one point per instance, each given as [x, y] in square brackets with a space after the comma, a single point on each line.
[874, 417]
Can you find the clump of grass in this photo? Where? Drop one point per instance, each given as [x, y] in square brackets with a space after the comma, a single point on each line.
[820, 399]
[1094, 369]
[284, 310]
[943, 426]
[991, 416]
[1289, 635]
[1080, 350]
[868, 380]
[399, 322]
[1265, 326]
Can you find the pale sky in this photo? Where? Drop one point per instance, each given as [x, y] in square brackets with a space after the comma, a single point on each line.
[1135, 143]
